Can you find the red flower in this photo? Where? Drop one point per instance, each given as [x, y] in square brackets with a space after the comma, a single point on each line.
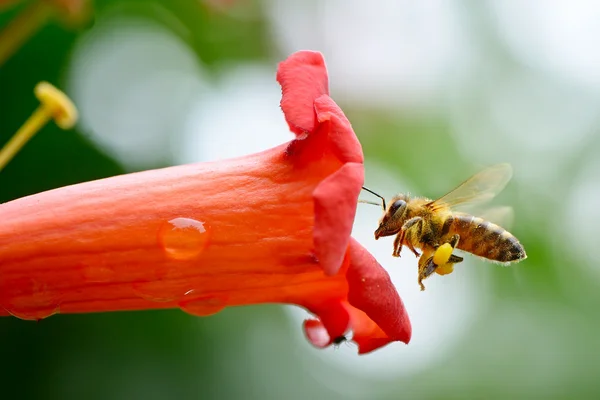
[272, 227]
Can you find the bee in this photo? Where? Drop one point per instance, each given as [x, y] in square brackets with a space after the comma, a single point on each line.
[436, 229]
[339, 340]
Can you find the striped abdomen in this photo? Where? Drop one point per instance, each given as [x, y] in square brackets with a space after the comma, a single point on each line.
[485, 239]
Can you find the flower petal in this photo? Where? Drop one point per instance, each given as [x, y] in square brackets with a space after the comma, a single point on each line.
[303, 78]
[372, 291]
[333, 321]
[342, 138]
[334, 316]
[316, 333]
[329, 325]
[335, 200]
[366, 333]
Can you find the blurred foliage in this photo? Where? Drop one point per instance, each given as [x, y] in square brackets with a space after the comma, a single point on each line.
[216, 37]
[168, 354]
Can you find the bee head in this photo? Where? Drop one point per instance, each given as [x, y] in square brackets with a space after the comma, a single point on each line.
[394, 217]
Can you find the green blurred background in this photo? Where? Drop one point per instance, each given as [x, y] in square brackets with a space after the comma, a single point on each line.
[435, 91]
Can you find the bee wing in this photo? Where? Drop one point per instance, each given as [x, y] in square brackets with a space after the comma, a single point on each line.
[502, 216]
[481, 187]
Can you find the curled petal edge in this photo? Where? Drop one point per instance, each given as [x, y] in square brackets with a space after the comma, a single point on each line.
[374, 311]
[367, 335]
[303, 78]
[371, 290]
[316, 333]
[342, 139]
[335, 200]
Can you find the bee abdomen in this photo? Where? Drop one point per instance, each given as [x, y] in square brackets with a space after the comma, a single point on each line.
[486, 239]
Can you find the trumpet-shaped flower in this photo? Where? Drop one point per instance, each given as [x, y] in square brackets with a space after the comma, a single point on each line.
[272, 227]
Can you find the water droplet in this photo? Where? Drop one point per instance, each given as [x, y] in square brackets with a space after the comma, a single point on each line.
[28, 299]
[202, 305]
[34, 313]
[183, 238]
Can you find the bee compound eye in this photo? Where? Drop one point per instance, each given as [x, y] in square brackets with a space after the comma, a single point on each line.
[397, 205]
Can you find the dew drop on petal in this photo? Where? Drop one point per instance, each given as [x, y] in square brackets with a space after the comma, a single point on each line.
[202, 305]
[33, 314]
[29, 300]
[183, 238]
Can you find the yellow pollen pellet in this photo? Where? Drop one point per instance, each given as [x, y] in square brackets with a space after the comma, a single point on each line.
[442, 254]
[445, 269]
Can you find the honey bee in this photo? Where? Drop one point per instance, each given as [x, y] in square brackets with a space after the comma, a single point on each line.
[436, 229]
[339, 340]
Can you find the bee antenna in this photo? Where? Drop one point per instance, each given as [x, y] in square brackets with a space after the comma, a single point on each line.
[369, 202]
[378, 195]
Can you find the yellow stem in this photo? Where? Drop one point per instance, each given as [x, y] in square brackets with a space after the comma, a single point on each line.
[22, 27]
[38, 119]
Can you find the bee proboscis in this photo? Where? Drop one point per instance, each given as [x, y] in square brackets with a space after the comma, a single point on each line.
[432, 225]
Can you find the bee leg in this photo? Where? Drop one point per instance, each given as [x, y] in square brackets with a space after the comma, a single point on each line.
[454, 259]
[413, 250]
[398, 244]
[413, 228]
[454, 241]
[430, 267]
[426, 268]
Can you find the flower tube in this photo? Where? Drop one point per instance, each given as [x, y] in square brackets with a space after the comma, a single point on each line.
[271, 227]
